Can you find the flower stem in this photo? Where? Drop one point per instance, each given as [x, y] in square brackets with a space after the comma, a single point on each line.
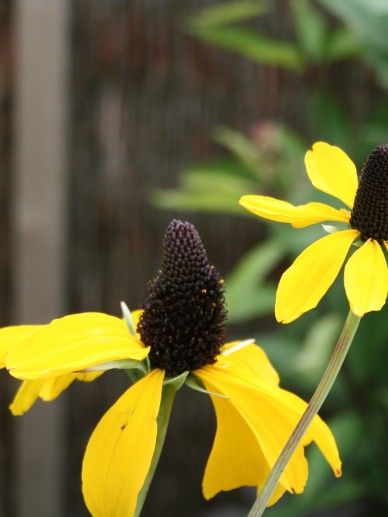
[336, 360]
[167, 400]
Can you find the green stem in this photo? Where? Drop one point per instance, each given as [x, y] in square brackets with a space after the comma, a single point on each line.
[167, 400]
[336, 360]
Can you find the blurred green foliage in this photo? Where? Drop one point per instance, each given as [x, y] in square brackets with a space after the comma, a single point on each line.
[269, 161]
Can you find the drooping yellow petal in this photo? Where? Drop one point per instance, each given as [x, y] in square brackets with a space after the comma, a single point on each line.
[317, 432]
[251, 357]
[332, 171]
[73, 343]
[89, 376]
[53, 387]
[236, 458]
[10, 337]
[305, 282]
[298, 216]
[366, 278]
[25, 397]
[120, 450]
[267, 416]
[46, 389]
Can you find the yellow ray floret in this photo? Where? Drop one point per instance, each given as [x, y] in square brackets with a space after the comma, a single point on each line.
[46, 389]
[10, 337]
[332, 171]
[303, 285]
[254, 421]
[366, 278]
[71, 344]
[250, 358]
[298, 216]
[120, 450]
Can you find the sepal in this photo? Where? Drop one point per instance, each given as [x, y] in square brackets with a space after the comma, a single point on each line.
[177, 381]
[193, 383]
[128, 318]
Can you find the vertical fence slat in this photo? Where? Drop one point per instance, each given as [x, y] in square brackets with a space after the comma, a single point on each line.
[39, 229]
[6, 98]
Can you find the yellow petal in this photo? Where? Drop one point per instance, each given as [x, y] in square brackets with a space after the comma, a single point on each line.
[253, 359]
[10, 337]
[136, 317]
[46, 389]
[120, 450]
[305, 282]
[25, 397]
[366, 278]
[332, 171]
[89, 376]
[298, 216]
[236, 458]
[73, 343]
[267, 415]
[53, 387]
[318, 432]
[270, 415]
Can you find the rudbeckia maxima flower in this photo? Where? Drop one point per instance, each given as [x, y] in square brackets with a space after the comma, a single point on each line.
[180, 334]
[366, 273]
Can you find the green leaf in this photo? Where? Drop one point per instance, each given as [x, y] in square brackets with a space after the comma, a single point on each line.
[376, 130]
[240, 146]
[368, 22]
[318, 344]
[224, 166]
[367, 18]
[210, 202]
[203, 181]
[246, 294]
[379, 61]
[382, 396]
[253, 46]
[328, 119]
[226, 13]
[208, 188]
[311, 29]
[342, 44]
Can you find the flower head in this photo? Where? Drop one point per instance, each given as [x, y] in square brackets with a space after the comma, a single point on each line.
[306, 281]
[184, 315]
[180, 336]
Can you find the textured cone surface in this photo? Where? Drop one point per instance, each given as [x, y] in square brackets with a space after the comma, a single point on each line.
[184, 312]
[370, 211]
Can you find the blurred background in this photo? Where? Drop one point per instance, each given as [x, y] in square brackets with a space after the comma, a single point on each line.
[117, 116]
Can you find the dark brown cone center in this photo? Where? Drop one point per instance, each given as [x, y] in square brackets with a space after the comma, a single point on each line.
[370, 211]
[184, 311]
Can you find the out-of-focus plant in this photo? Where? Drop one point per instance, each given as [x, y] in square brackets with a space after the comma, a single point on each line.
[367, 20]
[253, 162]
[315, 41]
[270, 161]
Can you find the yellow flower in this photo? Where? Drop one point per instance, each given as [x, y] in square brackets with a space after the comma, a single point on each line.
[181, 329]
[81, 341]
[302, 285]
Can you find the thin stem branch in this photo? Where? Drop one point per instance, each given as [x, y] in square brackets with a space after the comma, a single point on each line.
[166, 403]
[336, 360]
